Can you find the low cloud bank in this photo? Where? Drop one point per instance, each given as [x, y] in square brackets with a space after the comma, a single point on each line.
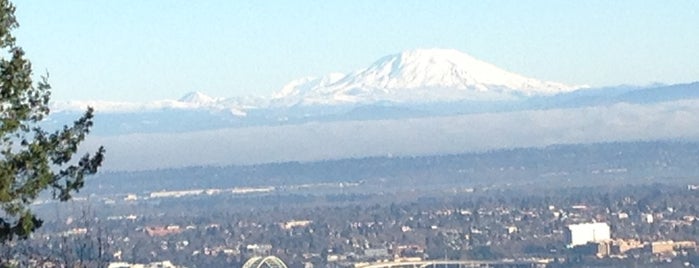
[419, 136]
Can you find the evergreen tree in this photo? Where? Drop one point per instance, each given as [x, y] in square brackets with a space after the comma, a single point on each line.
[33, 160]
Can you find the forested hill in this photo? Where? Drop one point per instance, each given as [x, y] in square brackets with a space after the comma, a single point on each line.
[627, 162]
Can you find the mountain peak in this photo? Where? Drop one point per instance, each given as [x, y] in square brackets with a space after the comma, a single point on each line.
[428, 68]
[416, 76]
[197, 97]
[433, 55]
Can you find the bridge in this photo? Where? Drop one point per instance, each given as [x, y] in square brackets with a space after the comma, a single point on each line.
[454, 264]
[264, 262]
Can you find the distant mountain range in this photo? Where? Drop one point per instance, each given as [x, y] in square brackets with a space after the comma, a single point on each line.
[415, 83]
[415, 76]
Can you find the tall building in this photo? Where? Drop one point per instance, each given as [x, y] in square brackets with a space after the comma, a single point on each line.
[580, 234]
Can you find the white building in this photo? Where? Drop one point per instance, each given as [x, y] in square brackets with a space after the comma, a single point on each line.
[580, 234]
[162, 264]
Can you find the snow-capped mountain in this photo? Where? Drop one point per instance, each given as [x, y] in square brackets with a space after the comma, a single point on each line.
[421, 75]
[415, 76]
[190, 101]
[198, 98]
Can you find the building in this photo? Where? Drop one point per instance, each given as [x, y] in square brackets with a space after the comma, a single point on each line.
[670, 247]
[163, 230]
[621, 246]
[600, 249]
[259, 249]
[162, 264]
[295, 223]
[581, 234]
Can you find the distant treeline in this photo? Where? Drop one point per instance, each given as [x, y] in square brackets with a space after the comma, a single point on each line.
[576, 164]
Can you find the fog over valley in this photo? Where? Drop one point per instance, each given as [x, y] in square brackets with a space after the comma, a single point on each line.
[415, 136]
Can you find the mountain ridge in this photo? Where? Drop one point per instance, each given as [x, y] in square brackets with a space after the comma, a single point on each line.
[413, 76]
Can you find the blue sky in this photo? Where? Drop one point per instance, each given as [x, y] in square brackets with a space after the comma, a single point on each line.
[157, 49]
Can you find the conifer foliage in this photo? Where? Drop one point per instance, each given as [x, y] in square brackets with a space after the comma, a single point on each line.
[33, 160]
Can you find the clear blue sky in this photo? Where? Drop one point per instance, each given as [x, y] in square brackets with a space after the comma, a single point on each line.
[146, 50]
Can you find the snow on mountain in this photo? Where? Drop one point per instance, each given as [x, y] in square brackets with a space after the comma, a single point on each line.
[415, 76]
[197, 98]
[190, 101]
[114, 106]
[303, 85]
[418, 76]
